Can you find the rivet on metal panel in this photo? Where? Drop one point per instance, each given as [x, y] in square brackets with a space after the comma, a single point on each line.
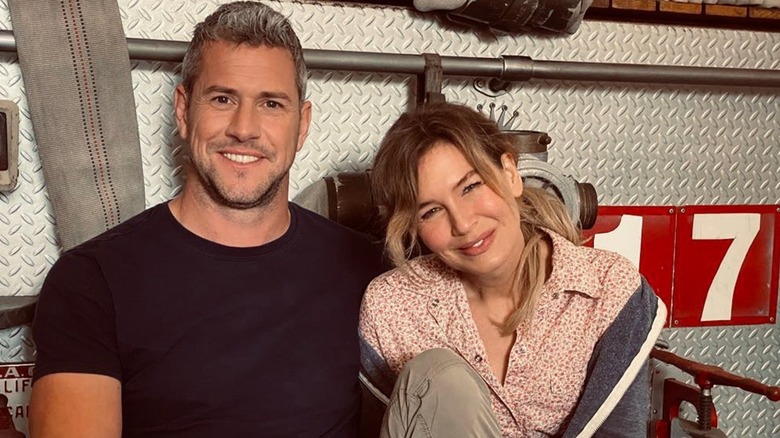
[671, 211]
[676, 322]
[682, 210]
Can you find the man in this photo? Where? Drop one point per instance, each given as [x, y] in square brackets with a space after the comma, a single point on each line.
[227, 311]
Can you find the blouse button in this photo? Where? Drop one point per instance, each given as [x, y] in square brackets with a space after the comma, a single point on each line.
[477, 358]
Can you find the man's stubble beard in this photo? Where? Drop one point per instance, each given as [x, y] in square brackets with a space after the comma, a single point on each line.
[261, 197]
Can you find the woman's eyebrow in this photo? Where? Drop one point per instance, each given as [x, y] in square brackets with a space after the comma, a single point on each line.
[465, 178]
[460, 182]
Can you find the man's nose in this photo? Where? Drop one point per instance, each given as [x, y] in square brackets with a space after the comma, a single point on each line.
[244, 124]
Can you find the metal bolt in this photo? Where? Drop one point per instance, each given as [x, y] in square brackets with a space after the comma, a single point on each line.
[676, 322]
[682, 210]
[497, 85]
[671, 211]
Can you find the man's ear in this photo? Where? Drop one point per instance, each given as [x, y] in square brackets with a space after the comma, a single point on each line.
[303, 127]
[512, 175]
[180, 110]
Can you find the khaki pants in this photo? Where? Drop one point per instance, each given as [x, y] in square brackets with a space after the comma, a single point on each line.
[438, 394]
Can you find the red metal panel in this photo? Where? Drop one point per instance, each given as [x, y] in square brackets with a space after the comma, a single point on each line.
[711, 265]
[726, 268]
[643, 233]
[15, 390]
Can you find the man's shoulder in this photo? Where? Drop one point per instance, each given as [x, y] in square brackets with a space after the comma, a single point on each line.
[322, 227]
[341, 245]
[121, 233]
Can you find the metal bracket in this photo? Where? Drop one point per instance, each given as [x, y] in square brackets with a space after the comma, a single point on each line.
[492, 87]
[9, 144]
[513, 68]
[429, 85]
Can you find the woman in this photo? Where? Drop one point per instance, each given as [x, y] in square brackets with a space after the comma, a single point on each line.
[507, 327]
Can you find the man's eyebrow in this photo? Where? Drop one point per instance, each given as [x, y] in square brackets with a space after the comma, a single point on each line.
[275, 95]
[263, 95]
[219, 89]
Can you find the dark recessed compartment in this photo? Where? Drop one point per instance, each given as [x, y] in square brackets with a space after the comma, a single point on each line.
[9, 146]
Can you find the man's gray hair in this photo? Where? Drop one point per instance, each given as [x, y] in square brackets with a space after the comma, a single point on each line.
[244, 22]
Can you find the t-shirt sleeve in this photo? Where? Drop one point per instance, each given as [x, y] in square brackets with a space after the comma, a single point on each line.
[74, 327]
[371, 258]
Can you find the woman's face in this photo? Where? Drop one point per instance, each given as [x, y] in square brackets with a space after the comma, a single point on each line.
[462, 220]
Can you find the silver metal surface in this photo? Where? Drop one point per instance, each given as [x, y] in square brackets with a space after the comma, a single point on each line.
[16, 345]
[638, 144]
[540, 174]
[511, 68]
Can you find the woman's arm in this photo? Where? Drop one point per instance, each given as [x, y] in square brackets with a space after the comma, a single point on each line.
[616, 397]
[373, 364]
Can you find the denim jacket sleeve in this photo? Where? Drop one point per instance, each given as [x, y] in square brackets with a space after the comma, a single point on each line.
[615, 401]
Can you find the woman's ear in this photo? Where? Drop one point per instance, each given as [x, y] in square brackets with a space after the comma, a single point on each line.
[510, 172]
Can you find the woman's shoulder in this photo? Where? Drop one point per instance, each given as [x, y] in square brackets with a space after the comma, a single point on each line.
[607, 273]
[608, 263]
[417, 276]
[614, 270]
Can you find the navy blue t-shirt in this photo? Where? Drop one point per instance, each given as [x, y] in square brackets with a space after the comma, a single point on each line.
[209, 340]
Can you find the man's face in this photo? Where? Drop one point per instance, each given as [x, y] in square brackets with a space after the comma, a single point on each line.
[243, 123]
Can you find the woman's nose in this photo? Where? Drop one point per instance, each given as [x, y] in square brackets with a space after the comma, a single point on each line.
[462, 221]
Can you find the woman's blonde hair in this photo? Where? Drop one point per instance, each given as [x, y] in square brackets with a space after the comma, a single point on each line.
[394, 187]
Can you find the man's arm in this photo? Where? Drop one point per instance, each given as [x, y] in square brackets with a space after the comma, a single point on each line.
[76, 405]
[76, 388]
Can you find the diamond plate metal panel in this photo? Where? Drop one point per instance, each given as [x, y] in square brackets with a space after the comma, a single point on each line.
[5, 15]
[28, 239]
[749, 351]
[654, 144]
[348, 123]
[161, 150]
[16, 345]
[638, 144]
